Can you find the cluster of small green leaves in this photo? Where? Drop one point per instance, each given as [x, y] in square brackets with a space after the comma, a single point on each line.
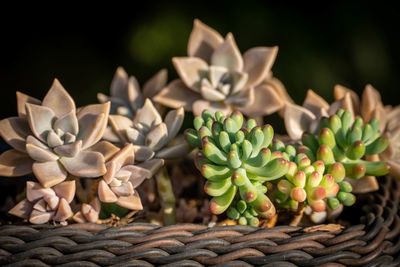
[242, 212]
[313, 184]
[339, 140]
[236, 160]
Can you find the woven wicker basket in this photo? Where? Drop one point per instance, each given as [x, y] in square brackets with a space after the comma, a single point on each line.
[374, 242]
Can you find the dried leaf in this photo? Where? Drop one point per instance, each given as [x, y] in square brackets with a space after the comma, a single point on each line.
[324, 228]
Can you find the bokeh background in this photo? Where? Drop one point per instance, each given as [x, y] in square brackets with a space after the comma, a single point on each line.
[348, 43]
[319, 46]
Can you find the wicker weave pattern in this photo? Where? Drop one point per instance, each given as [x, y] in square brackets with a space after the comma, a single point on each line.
[375, 243]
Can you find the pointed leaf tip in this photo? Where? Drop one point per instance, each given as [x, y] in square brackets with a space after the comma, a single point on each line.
[58, 100]
[203, 41]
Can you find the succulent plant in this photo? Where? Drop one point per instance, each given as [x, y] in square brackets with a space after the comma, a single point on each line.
[52, 139]
[339, 140]
[306, 118]
[236, 160]
[216, 76]
[152, 140]
[368, 107]
[126, 96]
[244, 214]
[122, 177]
[314, 185]
[371, 106]
[150, 135]
[43, 204]
[88, 212]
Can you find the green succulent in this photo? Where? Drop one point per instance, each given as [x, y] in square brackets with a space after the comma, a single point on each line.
[235, 159]
[244, 213]
[314, 185]
[339, 140]
[301, 184]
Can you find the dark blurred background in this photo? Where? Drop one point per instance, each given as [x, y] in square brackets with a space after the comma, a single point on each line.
[319, 46]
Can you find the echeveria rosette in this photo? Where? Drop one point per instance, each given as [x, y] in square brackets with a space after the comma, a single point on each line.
[235, 160]
[52, 139]
[340, 140]
[126, 96]
[44, 204]
[121, 179]
[150, 135]
[216, 76]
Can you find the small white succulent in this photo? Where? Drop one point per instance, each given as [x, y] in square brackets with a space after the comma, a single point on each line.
[216, 76]
[88, 212]
[150, 135]
[52, 139]
[122, 177]
[126, 97]
[44, 204]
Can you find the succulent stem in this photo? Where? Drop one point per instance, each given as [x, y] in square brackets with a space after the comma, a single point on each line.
[80, 191]
[92, 189]
[166, 194]
[298, 216]
[300, 208]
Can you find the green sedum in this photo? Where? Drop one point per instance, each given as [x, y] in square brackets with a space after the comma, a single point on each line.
[339, 140]
[238, 158]
[235, 159]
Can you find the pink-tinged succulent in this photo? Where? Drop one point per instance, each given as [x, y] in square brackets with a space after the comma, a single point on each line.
[369, 106]
[88, 212]
[150, 135]
[126, 96]
[44, 204]
[122, 177]
[216, 76]
[306, 118]
[52, 139]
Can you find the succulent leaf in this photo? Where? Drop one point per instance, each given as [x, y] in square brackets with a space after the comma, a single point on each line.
[215, 189]
[221, 203]
[377, 146]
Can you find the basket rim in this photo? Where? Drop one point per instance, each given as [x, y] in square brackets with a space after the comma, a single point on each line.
[375, 240]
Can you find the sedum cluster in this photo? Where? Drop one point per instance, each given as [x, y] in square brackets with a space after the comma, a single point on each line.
[339, 140]
[235, 159]
[244, 213]
[305, 118]
[239, 159]
[307, 183]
